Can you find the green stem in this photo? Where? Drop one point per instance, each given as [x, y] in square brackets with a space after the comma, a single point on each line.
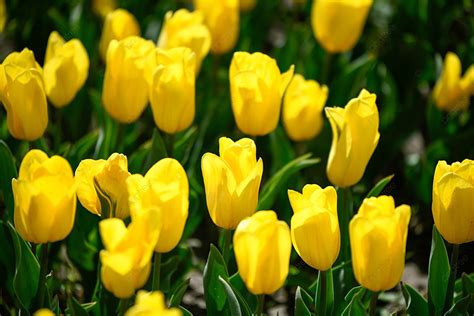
[326, 67]
[155, 284]
[373, 303]
[226, 244]
[42, 276]
[169, 139]
[345, 218]
[260, 304]
[321, 294]
[123, 306]
[452, 277]
[120, 140]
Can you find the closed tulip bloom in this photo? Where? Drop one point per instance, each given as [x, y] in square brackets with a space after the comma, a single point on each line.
[257, 88]
[150, 304]
[303, 108]
[43, 312]
[247, 5]
[118, 25]
[66, 67]
[103, 7]
[164, 187]
[355, 136]
[314, 225]
[45, 198]
[172, 89]
[126, 259]
[451, 92]
[111, 176]
[222, 19]
[232, 181]
[186, 29]
[453, 205]
[125, 92]
[23, 96]
[262, 246]
[378, 235]
[338, 24]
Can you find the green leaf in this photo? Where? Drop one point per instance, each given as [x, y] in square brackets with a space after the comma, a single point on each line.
[185, 311]
[275, 184]
[416, 304]
[157, 150]
[178, 293]
[378, 188]
[438, 274]
[7, 259]
[184, 145]
[7, 173]
[354, 299]
[214, 290]
[234, 306]
[168, 268]
[281, 149]
[303, 302]
[232, 291]
[82, 148]
[461, 307]
[74, 308]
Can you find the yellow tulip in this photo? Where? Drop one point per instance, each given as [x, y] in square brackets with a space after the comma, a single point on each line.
[453, 189]
[103, 7]
[111, 176]
[66, 67]
[45, 198]
[150, 304]
[23, 96]
[118, 25]
[128, 251]
[231, 181]
[3, 15]
[125, 92]
[222, 19]
[247, 5]
[262, 246]
[355, 137]
[451, 92]
[378, 235]
[186, 29]
[164, 187]
[43, 312]
[314, 226]
[338, 24]
[257, 87]
[303, 107]
[172, 89]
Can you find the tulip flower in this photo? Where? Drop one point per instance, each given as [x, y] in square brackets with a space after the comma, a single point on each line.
[103, 7]
[232, 181]
[247, 5]
[338, 24]
[23, 96]
[164, 187]
[43, 312]
[45, 198]
[172, 89]
[262, 246]
[451, 92]
[186, 29]
[118, 25]
[303, 107]
[257, 87]
[66, 67]
[151, 303]
[453, 204]
[355, 136]
[314, 225]
[109, 177]
[222, 19]
[126, 259]
[125, 92]
[3, 15]
[378, 235]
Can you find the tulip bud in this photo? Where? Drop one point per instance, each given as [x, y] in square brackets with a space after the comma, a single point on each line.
[303, 107]
[222, 19]
[186, 29]
[66, 67]
[128, 251]
[453, 189]
[118, 25]
[314, 226]
[451, 92]
[338, 24]
[151, 303]
[23, 96]
[354, 138]
[43, 312]
[164, 187]
[110, 176]
[125, 93]
[378, 235]
[3, 15]
[262, 248]
[231, 181]
[257, 87]
[247, 5]
[172, 89]
[45, 198]
[103, 7]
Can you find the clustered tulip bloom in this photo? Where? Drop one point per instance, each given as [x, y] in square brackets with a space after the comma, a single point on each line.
[453, 204]
[355, 137]
[257, 87]
[151, 303]
[45, 198]
[232, 181]
[378, 235]
[314, 225]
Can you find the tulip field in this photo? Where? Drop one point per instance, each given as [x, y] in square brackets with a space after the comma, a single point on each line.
[236, 157]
